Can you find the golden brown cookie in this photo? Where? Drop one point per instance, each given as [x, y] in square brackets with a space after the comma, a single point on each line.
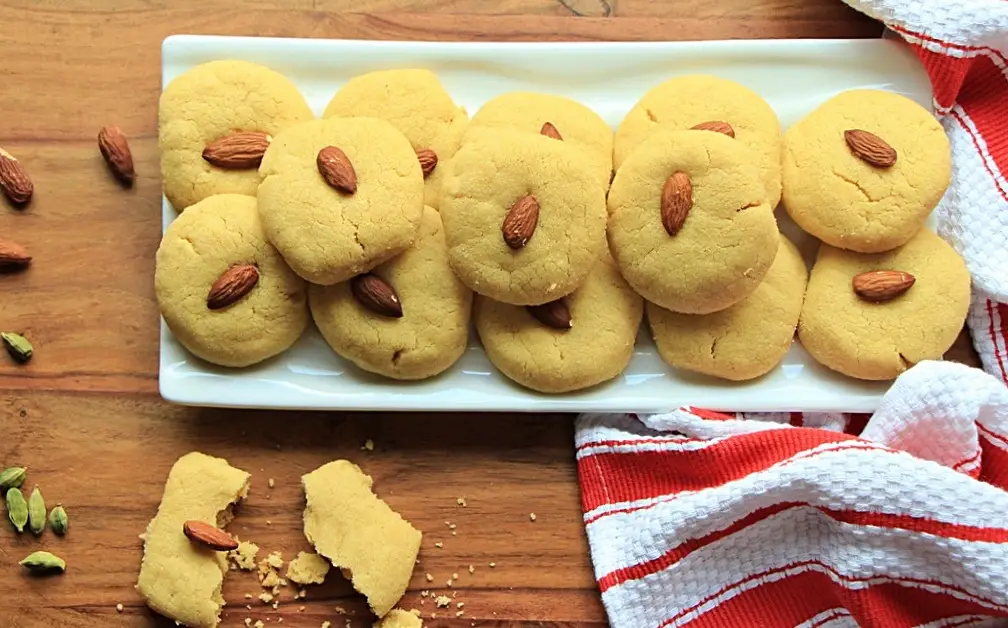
[426, 330]
[557, 117]
[689, 224]
[863, 171]
[582, 340]
[746, 340]
[875, 326]
[684, 102]
[415, 103]
[326, 233]
[222, 236]
[209, 103]
[524, 216]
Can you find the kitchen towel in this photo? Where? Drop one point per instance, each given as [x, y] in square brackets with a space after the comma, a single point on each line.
[700, 518]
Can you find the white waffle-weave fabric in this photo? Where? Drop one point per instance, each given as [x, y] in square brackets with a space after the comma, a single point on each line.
[701, 518]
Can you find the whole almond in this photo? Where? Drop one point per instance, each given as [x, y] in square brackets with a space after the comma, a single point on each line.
[428, 161]
[115, 149]
[233, 284]
[208, 535]
[520, 222]
[336, 169]
[870, 148]
[676, 202]
[13, 257]
[550, 131]
[554, 314]
[879, 286]
[242, 150]
[376, 294]
[717, 126]
[14, 179]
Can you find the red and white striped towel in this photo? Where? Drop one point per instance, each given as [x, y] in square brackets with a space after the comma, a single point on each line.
[899, 519]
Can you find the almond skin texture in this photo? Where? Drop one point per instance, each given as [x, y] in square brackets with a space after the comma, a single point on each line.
[554, 314]
[520, 222]
[233, 284]
[717, 126]
[428, 161]
[550, 131]
[115, 149]
[239, 151]
[336, 169]
[676, 202]
[207, 535]
[376, 294]
[13, 257]
[879, 286]
[14, 179]
[870, 148]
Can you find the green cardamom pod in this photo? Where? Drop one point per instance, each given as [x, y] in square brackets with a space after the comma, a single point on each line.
[36, 512]
[17, 508]
[12, 477]
[43, 562]
[58, 520]
[17, 345]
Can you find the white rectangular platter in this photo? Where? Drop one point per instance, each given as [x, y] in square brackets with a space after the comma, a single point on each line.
[793, 75]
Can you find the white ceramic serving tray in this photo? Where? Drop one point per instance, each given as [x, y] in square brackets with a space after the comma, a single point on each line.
[793, 75]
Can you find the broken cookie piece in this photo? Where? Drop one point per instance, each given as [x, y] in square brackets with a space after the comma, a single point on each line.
[398, 618]
[374, 546]
[244, 557]
[308, 568]
[179, 579]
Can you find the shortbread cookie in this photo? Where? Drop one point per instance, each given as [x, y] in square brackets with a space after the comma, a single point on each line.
[685, 102]
[579, 341]
[398, 618]
[524, 216]
[863, 171]
[428, 330]
[208, 103]
[869, 337]
[327, 234]
[222, 235]
[414, 102]
[374, 547]
[179, 579]
[555, 116]
[746, 340]
[710, 242]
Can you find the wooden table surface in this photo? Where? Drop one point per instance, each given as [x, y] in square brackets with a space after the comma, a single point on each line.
[85, 416]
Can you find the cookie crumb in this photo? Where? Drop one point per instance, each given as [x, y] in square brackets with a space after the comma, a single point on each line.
[424, 593]
[271, 483]
[279, 620]
[266, 597]
[249, 596]
[326, 624]
[493, 565]
[340, 610]
[368, 445]
[301, 609]
[454, 533]
[439, 545]
[308, 568]
[429, 577]
[244, 557]
[449, 583]
[248, 621]
[276, 603]
[302, 594]
[461, 501]
[454, 576]
[532, 516]
[275, 560]
[443, 601]
[119, 608]
[472, 569]
[459, 613]
[259, 624]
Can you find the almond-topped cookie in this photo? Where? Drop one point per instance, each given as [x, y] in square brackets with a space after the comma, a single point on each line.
[223, 290]
[689, 224]
[406, 319]
[714, 104]
[214, 123]
[863, 171]
[414, 102]
[340, 196]
[873, 316]
[524, 216]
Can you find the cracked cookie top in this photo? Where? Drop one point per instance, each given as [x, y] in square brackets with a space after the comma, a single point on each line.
[746, 340]
[431, 333]
[689, 224]
[686, 101]
[208, 103]
[847, 190]
[524, 216]
[211, 237]
[328, 235]
[879, 340]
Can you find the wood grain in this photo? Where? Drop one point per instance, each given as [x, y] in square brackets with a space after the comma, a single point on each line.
[85, 417]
